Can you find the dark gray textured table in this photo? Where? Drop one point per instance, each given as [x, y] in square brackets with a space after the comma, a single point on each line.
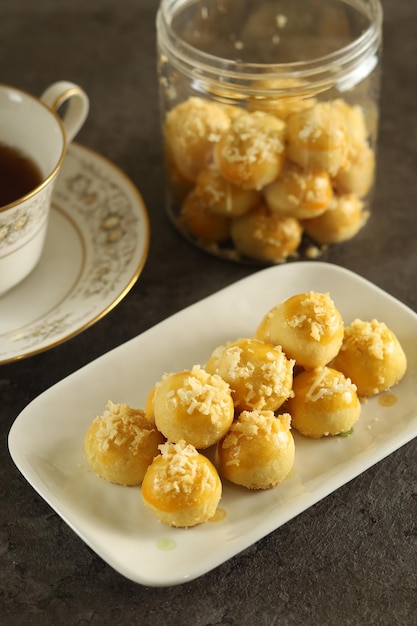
[351, 558]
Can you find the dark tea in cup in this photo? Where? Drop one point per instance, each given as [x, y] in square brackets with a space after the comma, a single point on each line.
[19, 174]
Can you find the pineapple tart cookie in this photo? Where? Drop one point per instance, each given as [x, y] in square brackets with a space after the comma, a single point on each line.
[121, 443]
[222, 197]
[318, 138]
[371, 356]
[259, 374]
[193, 406]
[358, 173]
[307, 326]
[258, 451]
[325, 403]
[265, 236]
[191, 130]
[198, 220]
[342, 220]
[249, 153]
[181, 486]
[299, 193]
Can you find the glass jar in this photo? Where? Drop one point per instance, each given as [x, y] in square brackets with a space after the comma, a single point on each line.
[269, 118]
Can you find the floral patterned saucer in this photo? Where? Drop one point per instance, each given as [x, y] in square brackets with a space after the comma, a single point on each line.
[97, 244]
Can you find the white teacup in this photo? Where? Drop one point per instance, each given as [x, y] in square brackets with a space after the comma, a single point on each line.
[33, 128]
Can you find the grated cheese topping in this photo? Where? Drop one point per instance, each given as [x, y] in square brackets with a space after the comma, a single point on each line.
[276, 232]
[374, 336]
[322, 121]
[216, 194]
[328, 383]
[204, 393]
[319, 187]
[253, 137]
[253, 424]
[265, 375]
[306, 186]
[232, 363]
[120, 424]
[196, 119]
[317, 311]
[182, 470]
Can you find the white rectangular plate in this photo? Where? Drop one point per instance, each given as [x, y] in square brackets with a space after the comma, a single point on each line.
[46, 440]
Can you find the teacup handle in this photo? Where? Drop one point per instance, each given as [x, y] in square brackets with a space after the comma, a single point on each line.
[77, 101]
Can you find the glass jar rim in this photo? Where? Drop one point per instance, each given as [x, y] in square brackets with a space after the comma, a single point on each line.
[318, 71]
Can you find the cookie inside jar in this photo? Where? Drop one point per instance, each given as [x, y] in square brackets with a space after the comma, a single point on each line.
[269, 142]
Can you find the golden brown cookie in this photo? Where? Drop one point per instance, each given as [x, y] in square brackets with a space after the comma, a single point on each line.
[308, 326]
[258, 451]
[371, 356]
[259, 374]
[121, 443]
[193, 406]
[181, 487]
[325, 403]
